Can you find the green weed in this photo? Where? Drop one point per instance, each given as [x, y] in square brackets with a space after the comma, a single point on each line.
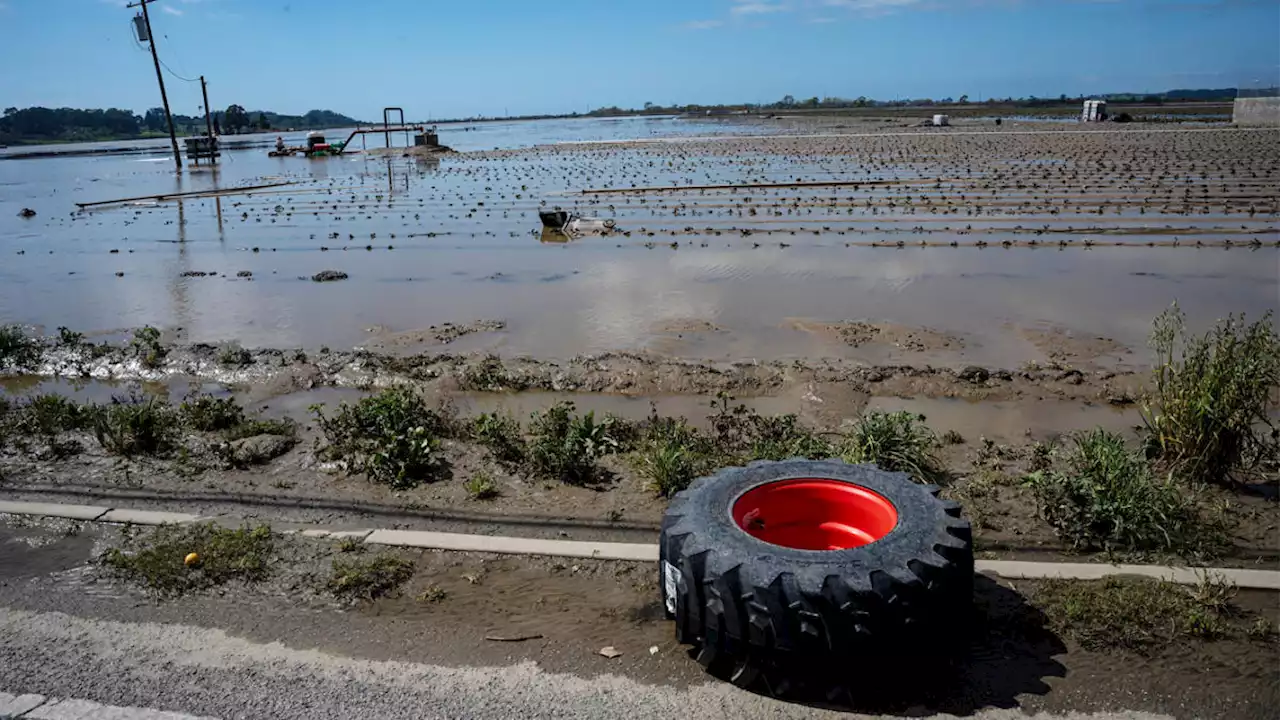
[136, 427]
[156, 559]
[501, 434]
[566, 446]
[1108, 498]
[1207, 419]
[481, 486]
[672, 454]
[209, 414]
[1138, 614]
[368, 578]
[895, 441]
[391, 438]
[740, 435]
[147, 347]
[17, 350]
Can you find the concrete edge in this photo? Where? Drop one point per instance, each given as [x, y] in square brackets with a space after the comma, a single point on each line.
[636, 552]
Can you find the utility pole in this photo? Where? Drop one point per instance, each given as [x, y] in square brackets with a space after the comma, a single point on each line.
[164, 97]
[209, 122]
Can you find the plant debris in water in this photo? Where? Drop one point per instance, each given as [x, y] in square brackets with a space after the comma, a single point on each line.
[368, 578]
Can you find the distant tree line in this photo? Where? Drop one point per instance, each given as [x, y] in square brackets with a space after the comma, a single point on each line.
[40, 124]
[789, 102]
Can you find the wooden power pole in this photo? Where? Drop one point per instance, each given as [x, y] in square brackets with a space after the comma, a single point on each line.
[164, 97]
[208, 123]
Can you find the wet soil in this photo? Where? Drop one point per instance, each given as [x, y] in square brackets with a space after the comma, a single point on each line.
[569, 610]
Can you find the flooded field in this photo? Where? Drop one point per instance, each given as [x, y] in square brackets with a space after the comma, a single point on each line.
[1004, 244]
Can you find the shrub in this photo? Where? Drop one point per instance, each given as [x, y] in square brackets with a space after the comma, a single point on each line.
[501, 435]
[68, 338]
[156, 559]
[208, 413]
[1107, 498]
[136, 427]
[49, 416]
[368, 578]
[17, 350]
[391, 437]
[896, 441]
[1207, 418]
[234, 357]
[565, 446]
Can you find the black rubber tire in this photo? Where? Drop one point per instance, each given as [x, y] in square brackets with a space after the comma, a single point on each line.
[748, 605]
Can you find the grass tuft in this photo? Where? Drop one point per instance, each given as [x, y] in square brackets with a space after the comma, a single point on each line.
[136, 426]
[672, 454]
[147, 347]
[898, 442]
[1139, 614]
[210, 414]
[368, 578]
[1107, 498]
[156, 559]
[1208, 417]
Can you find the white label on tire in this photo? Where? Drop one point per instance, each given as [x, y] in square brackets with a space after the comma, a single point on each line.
[670, 580]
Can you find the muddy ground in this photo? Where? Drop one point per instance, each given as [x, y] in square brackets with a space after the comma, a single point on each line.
[998, 424]
[568, 610]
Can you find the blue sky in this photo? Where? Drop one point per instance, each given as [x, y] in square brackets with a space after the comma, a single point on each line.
[445, 59]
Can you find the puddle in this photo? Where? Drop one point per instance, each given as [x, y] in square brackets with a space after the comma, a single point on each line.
[1008, 421]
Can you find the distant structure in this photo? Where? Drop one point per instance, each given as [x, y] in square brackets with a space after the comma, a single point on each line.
[941, 120]
[1256, 112]
[1094, 111]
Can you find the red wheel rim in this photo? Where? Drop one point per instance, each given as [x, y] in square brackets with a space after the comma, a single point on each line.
[814, 514]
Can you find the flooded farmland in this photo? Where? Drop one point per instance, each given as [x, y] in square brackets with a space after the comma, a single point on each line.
[995, 241]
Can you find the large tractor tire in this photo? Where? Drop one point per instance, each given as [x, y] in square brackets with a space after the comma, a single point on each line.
[780, 563]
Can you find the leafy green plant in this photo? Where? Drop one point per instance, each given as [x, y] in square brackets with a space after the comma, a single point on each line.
[208, 413]
[391, 437]
[157, 559]
[136, 427]
[566, 446]
[895, 441]
[368, 578]
[481, 486]
[69, 339]
[1208, 416]
[500, 433]
[48, 416]
[285, 427]
[1107, 498]
[147, 347]
[17, 350]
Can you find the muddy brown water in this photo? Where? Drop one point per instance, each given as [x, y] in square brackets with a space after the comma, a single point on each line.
[704, 273]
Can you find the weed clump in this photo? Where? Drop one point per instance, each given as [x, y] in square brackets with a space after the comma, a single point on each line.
[895, 441]
[566, 446]
[391, 438]
[136, 427]
[157, 560]
[1107, 498]
[672, 454]
[1139, 614]
[368, 578]
[481, 486]
[147, 347]
[501, 434]
[17, 350]
[741, 435]
[1207, 419]
[210, 414]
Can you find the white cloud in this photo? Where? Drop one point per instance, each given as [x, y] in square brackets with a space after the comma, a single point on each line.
[755, 7]
[171, 10]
